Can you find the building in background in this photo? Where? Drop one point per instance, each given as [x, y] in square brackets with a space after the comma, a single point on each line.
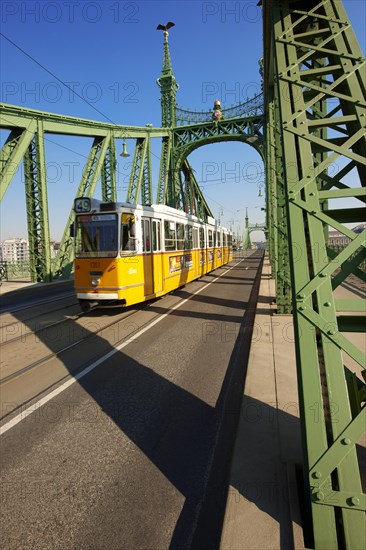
[14, 250]
[17, 249]
[335, 238]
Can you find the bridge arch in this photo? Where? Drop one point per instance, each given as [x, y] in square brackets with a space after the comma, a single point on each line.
[189, 138]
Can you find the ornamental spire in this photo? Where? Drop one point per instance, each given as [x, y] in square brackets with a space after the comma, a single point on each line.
[168, 84]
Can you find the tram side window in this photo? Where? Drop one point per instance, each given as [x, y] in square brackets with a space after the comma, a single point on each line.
[202, 238]
[169, 232]
[210, 238]
[219, 238]
[189, 237]
[156, 235]
[195, 237]
[224, 243]
[146, 235]
[128, 233]
[180, 236]
[229, 240]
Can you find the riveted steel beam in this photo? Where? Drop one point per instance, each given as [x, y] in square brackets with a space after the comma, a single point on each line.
[316, 68]
[37, 208]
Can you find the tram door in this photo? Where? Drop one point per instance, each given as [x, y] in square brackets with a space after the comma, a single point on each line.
[196, 260]
[151, 239]
[157, 255]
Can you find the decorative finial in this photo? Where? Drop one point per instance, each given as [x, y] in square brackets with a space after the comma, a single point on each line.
[165, 28]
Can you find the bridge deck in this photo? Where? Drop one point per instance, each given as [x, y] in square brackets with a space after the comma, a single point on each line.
[151, 466]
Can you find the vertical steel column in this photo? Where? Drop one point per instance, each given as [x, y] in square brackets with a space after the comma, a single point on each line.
[283, 282]
[146, 189]
[271, 184]
[37, 208]
[108, 174]
[319, 76]
[162, 192]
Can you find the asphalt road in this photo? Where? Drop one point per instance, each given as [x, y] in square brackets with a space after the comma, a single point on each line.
[136, 454]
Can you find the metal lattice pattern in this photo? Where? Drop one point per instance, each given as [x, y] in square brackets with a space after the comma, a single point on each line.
[251, 108]
[319, 128]
[37, 208]
[141, 179]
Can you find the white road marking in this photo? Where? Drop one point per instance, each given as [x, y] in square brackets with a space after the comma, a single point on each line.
[35, 407]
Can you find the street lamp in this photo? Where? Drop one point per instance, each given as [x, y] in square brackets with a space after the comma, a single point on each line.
[124, 150]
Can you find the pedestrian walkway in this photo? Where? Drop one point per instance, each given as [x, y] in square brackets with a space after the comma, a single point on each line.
[262, 510]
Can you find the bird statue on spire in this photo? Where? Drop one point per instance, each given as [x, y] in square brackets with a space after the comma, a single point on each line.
[165, 27]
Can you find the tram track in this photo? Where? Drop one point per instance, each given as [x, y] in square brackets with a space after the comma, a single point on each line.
[57, 354]
[37, 331]
[53, 368]
[37, 302]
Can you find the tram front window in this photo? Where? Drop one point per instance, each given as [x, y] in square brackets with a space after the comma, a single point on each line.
[96, 236]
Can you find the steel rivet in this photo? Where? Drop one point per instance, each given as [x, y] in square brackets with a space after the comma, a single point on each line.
[317, 475]
[319, 495]
[327, 304]
[355, 501]
[346, 441]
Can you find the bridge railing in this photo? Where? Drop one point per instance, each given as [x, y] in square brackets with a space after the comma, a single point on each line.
[252, 107]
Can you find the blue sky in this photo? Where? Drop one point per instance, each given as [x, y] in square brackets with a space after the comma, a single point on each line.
[110, 54]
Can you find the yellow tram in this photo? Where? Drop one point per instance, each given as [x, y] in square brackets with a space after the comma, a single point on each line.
[128, 253]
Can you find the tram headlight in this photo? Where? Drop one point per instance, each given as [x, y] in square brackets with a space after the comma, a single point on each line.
[95, 282]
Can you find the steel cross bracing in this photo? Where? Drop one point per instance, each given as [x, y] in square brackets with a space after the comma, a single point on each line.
[314, 75]
[312, 139]
[141, 179]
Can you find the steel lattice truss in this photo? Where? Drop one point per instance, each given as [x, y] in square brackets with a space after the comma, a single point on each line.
[316, 157]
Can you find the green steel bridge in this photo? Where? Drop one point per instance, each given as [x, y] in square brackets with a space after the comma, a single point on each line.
[311, 114]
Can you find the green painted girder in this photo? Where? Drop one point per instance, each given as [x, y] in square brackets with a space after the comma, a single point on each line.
[188, 138]
[91, 174]
[271, 184]
[12, 154]
[108, 174]
[37, 208]
[247, 243]
[316, 68]
[13, 117]
[164, 171]
[141, 178]
[195, 202]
